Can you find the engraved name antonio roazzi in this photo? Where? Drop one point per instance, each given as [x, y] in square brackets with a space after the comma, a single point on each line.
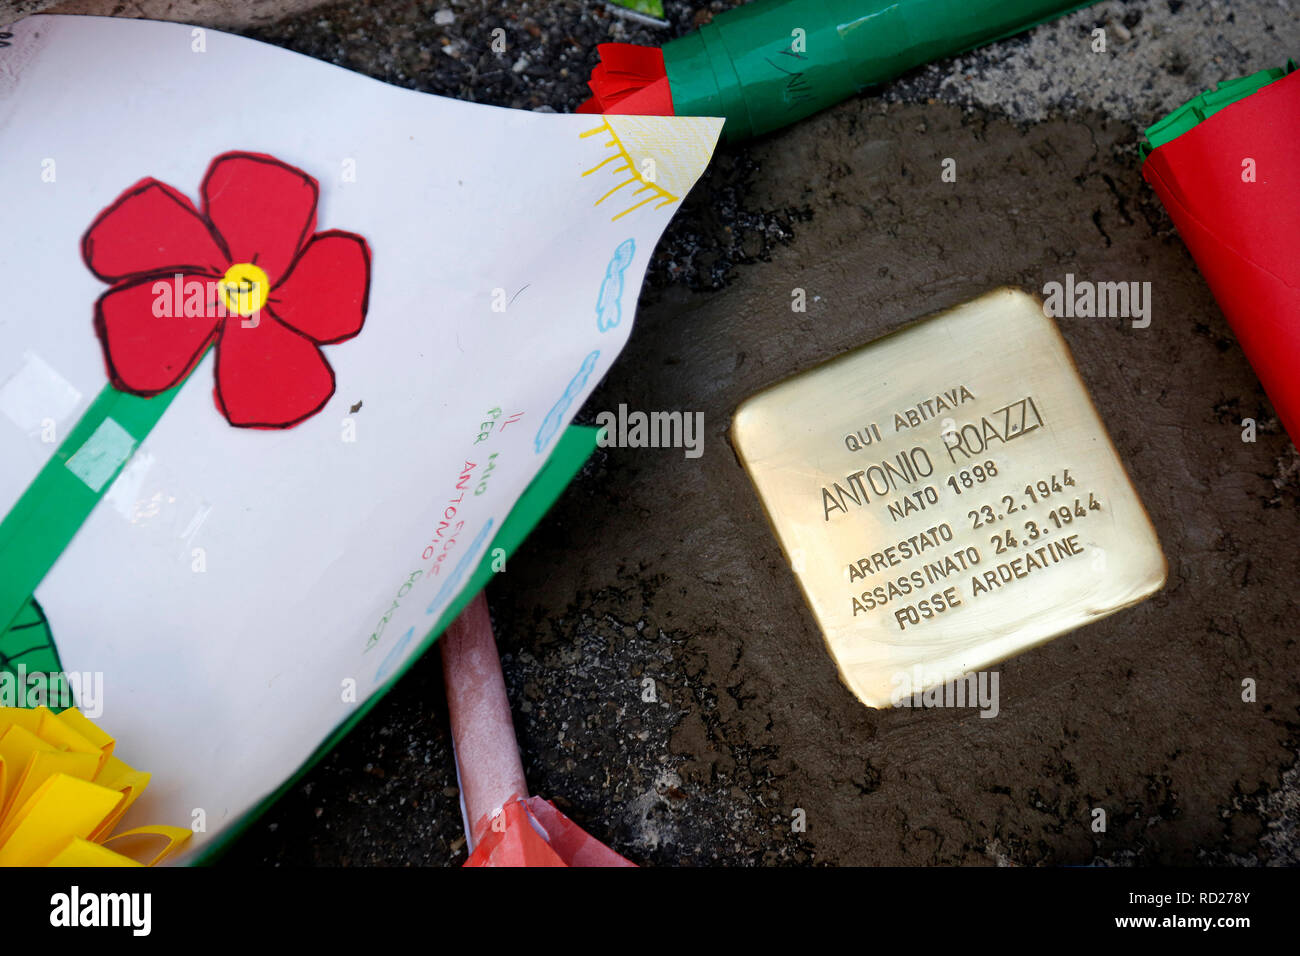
[961, 442]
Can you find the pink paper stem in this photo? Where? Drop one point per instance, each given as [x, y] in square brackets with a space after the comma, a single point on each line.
[487, 754]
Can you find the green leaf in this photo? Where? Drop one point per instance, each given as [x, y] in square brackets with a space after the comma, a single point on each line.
[28, 643]
[651, 8]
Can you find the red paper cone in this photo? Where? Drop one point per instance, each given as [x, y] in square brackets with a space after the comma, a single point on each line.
[533, 832]
[504, 826]
[1232, 187]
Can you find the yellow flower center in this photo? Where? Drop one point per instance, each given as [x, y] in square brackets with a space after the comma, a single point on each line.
[245, 288]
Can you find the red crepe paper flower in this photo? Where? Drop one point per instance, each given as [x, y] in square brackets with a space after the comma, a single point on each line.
[629, 80]
[249, 272]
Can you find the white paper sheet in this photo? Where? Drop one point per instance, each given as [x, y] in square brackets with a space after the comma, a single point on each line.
[222, 680]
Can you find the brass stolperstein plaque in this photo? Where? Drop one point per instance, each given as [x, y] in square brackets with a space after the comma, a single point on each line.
[948, 496]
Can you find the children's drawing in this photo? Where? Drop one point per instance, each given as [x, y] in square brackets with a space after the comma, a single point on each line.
[27, 647]
[626, 172]
[452, 581]
[394, 655]
[248, 272]
[661, 161]
[170, 550]
[609, 302]
[555, 417]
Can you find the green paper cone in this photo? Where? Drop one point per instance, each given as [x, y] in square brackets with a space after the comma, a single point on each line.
[771, 62]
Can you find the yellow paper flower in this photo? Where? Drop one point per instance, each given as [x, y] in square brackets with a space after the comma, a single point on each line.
[62, 792]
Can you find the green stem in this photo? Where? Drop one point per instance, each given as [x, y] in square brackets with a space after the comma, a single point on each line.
[59, 500]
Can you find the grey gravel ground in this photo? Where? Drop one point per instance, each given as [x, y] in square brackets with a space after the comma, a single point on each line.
[628, 578]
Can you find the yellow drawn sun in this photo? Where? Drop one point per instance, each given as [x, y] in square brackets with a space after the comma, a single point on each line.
[651, 159]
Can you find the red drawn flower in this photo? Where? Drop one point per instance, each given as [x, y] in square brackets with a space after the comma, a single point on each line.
[249, 271]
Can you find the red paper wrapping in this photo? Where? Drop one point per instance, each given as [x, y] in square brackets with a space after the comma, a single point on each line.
[1243, 234]
[532, 832]
[505, 826]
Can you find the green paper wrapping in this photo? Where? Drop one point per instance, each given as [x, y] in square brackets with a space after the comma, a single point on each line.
[753, 67]
[1201, 107]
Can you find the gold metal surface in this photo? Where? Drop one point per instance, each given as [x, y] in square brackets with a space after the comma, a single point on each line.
[948, 496]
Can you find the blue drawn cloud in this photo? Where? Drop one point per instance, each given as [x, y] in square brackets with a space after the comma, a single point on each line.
[555, 417]
[449, 585]
[391, 658]
[452, 580]
[609, 302]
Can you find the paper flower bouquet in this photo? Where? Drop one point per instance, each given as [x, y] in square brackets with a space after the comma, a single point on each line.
[287, 363]
[63, 792]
